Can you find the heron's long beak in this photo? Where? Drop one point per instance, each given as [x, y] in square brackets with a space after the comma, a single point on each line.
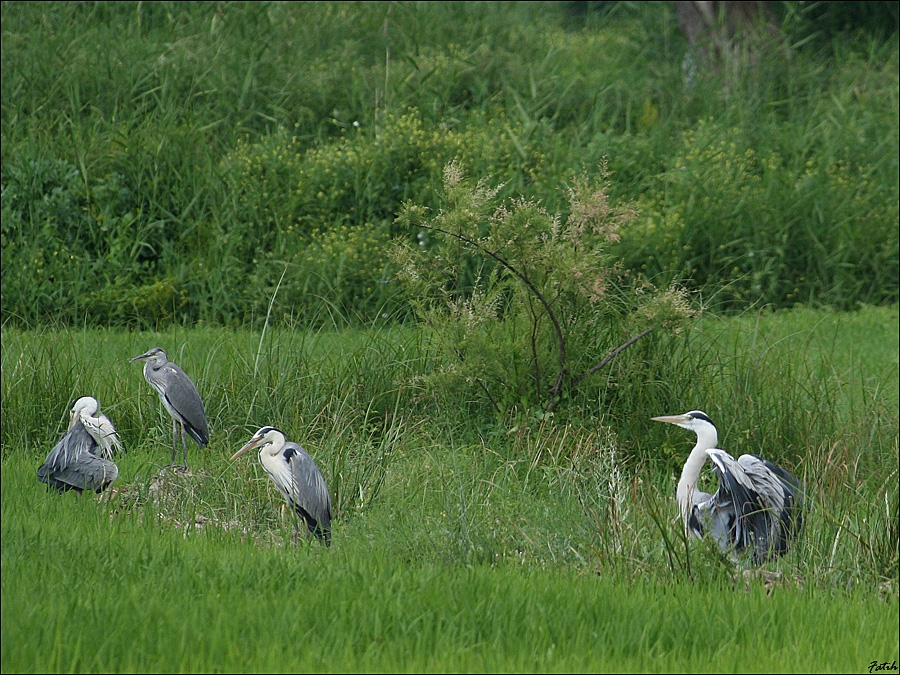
[671, 419]
[141, 357]
[250, 445]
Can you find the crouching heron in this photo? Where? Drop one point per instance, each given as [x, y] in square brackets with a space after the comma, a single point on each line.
[757, 506]
[82, 459]
[297, 477]
[179, 396]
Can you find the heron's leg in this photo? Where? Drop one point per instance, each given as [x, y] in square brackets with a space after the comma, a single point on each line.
[174, 439]
[184, 446]
[294, 538]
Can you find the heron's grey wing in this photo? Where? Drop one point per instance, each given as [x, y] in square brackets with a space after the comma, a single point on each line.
[758, 501]
[182, 397]
[89, 472]
[310, 494]
[751, 524]
[72, 463]
[789, 482]
[782, 496]
[794, 496]
[75, 441]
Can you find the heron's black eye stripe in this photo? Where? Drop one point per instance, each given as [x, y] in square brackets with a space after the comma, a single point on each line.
[697, 415]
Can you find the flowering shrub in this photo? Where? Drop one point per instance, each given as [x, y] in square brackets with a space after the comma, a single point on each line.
[525, 304]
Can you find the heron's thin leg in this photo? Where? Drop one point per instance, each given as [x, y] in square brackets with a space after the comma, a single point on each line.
[294, 538]
[183, 446]
[174, 440]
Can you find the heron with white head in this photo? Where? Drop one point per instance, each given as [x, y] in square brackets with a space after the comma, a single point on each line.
[180, 397]
[82, 459]
[297, 477]
[756, 509]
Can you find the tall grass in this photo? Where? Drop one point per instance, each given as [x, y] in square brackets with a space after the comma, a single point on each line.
[816, 392]
[167, 163]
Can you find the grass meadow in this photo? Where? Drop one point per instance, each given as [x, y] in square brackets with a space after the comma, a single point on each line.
[546, 546]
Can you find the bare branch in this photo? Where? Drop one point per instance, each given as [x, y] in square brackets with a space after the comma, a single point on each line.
[613, 354]
[560, 336]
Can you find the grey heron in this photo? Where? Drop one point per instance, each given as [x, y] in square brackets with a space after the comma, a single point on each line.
[179, 396]
[297, 477]
[757, 507]
[82, 459]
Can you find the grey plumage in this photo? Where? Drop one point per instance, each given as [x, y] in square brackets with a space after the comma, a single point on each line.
[297, 477]
[757, 508]
[180, 398]
[82, 459]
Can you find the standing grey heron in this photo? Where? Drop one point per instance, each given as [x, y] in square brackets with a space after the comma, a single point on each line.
[179, 396]
[82, 459]
[757, 506]
[297, 477]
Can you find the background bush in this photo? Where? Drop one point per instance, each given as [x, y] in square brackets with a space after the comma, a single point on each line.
[179, 161]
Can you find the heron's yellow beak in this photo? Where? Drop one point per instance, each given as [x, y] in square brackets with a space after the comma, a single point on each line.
[140, 358]
[250, 445]
[671, 419]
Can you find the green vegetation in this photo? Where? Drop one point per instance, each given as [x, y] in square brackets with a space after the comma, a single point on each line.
[462, 252]
[178, 161]
[449, 527]
[521, 302]
[157, 600]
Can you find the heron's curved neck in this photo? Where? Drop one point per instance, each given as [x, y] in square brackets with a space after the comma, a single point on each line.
[690, 474]
[268, 455]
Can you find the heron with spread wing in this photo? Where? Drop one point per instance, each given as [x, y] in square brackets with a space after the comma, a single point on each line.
[297, 477]
[756, 509]
[82, 459]
[180, 398]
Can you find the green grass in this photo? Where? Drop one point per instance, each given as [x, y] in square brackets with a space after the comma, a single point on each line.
[96, 590]
[93, 587]
[461, 543]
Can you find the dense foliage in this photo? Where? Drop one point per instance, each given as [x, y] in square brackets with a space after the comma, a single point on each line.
[184, 161]
[523, 304]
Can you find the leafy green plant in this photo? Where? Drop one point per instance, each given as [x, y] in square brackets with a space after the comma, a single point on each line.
[761, 214]
[521, 300]
[327, 214]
